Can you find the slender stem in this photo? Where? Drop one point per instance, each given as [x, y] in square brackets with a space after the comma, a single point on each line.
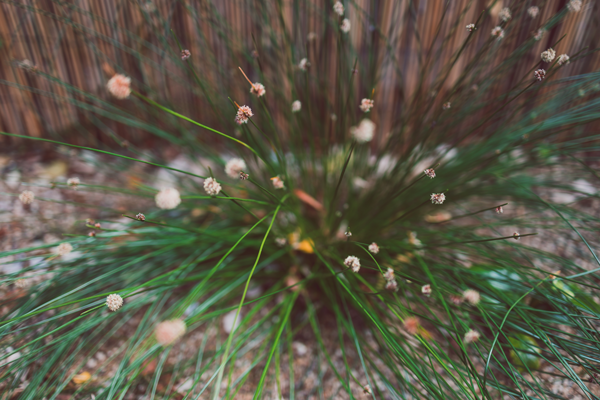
[342, 174]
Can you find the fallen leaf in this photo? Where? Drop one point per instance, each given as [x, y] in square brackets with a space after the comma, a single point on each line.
[82, 378]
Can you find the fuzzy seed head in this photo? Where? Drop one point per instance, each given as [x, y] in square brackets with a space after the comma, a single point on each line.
[505, 14]
[430, 172]
[73, 182]
[471, 27]
[304, 64]
[167, 332]
[574, 5]
[140, 217]
[114, 302]
[366, 105]
[27, 197]
[277, 183]
[63, 249]
[211, 187]
[167, 199]
[412, 324]
[185, 54]
[352, 262]
[119, 86]
[548, 55]
[364, 132]
[389, 274]
[540, 74]
[374, 248]
[438, 198]
[243, 113]
[499, 210]
[533, 11]
[471, 296]
[471, 336]
[338, 8]
[498, 32]
[426, 290]
[258, 89]
[563, 59]
[345, 27]
[234, 166]
[391, 285]
[296, 106]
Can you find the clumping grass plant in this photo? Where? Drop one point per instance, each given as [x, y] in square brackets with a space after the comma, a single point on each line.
[408, 234]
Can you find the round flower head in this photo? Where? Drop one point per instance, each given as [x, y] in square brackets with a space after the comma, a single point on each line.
[540, 74]
[426, 290]
[430, 172]
[563, 59]
[498, 32]
[74, 182]
[338, 8]
[412, 324]
[471, 27]
[140, 217]
[352, 262]
[366, 105]
[389, 274]
[63, 249]
[373, 248]
[364, 132]
[574, 5]
[258, 89]
[447, 105]
[539, 34]
[548, 55]
[185, 54]
[533, 11]
[471, 336]
[438, 198]
[471, 296]
[167, 199]
[167, 332]
[505, 14]
[304, 64]
[243, 113]
[391, 285]
[212, 187]
[234, 166]
[345, 27]
[296, 106]
[27, 197]
[119, 86]
[277, 183]
[114, 302]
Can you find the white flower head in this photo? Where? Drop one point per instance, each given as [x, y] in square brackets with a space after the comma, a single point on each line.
[438, 198]
[63, 249]
[563, 59]
[27, 197]
[540, 74]
[430, 172]
[366, 105]
[277, 182]
[345, 27]
[471, 336]
[167, 332]
[114, 302]
[373, 248]
[539, 34]
[391, 285]
[211, 186]
[548, 55]
[574, 5]
[296, 106]
[389, 274]
[471, 296]
[471, 27]
[498, 32]
[234, 166]
[304, 64]
[119, 86]
[243, 114]
[426, 290]
[533, 11]
[167, 199]
[185, 54]
[258, 89]
[352, 262]
[73, 182]
[364, 132]
[446, 105]
[505, 14]
[338, 8]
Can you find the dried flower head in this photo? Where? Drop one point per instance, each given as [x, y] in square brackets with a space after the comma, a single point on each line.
[345, 27]
[364, 132]
[548, 55]
[167, 332]
[574, 5]
[430, 172]
[391, 285]
[366, 105]
[140, 217]
[505, 14]
[211, 186]
[516, 236]
[352, 262]
[73, 182]
[563, 59]
[114, 302]
[280, 241]
[243, 113]
[119, 86]
[471, 27]
[185, 54]
[498, 32]
[367, 390]
[438, 198]
[471, 296]
[374, 248]
[471, 336]
[338, 8]
[446, 105]
[412, 324]
[27, 197]
[533, 11]
[244, 176]
[167, 199]
[540, 74]
[539, 34]
[296, 106]
[258, 89]
[234, 166]
[277, 182]
[426, 290]
[63, 249]
[389, 274]
[304, 64]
